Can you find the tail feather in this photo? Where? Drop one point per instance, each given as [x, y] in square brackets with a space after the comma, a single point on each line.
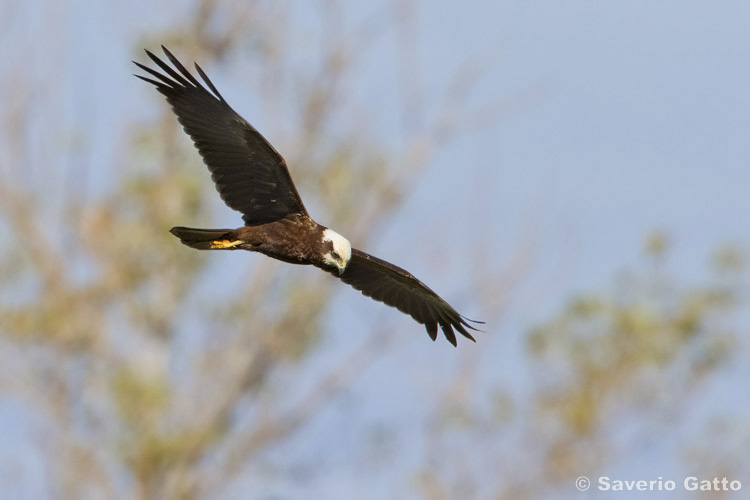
[200, 238]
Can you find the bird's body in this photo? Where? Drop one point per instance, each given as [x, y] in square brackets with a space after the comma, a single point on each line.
[295, 240]
[252, 178]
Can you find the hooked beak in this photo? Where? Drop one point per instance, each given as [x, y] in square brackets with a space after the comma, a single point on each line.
[341, 266]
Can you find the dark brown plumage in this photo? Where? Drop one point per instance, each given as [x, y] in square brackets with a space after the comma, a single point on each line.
[252, 178]
[384, 282]
[250, 175]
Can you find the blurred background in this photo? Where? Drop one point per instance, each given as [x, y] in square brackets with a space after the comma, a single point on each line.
[574, 174]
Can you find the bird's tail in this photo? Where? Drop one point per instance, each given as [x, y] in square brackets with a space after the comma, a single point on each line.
[206, 239]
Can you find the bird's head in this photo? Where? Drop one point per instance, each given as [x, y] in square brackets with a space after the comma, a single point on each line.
[336, 250]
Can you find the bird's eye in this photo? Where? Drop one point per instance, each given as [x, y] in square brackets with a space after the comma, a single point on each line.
[336, 256]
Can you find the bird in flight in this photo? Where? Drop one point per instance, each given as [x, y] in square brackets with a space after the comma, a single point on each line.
[252, 178]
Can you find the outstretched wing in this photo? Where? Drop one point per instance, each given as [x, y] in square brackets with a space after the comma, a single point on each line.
[384, 282]
[250, 175]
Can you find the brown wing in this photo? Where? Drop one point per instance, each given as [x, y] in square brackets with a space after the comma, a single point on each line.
[384, 282]
[250, 175]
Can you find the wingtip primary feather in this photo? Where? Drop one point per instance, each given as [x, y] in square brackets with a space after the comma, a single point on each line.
[167, 53]
[179, 66]
[464, 320]
[432, 330]
[450, 334]
[466, 334]
[210, 84]
[177, 77]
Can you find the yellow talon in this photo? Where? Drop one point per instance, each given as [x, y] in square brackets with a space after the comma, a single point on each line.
[223, 244]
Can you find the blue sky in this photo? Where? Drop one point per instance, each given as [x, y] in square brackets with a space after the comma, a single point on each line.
[623, 118]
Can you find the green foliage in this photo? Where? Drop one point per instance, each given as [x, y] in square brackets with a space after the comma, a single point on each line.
[111, 292]
[646, 344]
[147, 367]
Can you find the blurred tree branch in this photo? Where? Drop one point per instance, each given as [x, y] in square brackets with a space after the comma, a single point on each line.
[159, 378]
[112, 299]
[635, 357]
